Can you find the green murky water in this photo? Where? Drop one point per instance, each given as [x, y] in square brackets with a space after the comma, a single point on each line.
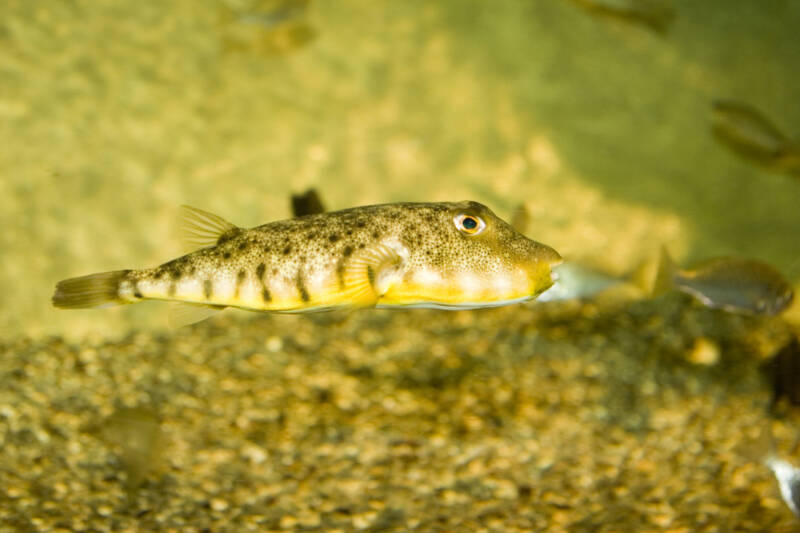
[114, 113]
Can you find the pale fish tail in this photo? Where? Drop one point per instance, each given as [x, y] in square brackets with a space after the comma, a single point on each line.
[666, 273]
[94, 290]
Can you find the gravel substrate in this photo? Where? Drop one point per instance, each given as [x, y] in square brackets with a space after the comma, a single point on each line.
[649, 416]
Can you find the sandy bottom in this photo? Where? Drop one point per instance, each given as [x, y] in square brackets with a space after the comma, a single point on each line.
[649, 416]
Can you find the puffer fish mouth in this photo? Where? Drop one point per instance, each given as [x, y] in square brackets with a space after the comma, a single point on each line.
[552, 259]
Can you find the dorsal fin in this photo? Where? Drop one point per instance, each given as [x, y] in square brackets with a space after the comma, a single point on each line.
[201, 229]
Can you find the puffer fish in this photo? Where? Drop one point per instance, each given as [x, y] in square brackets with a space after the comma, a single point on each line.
[434, 255]
[732, 284]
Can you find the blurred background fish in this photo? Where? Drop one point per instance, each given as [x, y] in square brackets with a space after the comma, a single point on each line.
[576, 281]
[733, 284]
[135, 435]
[748, 132]
[763, 447]
[656, 15]
[307, 203]
[269, 27]
[520, 218]
[788, 477]
[783, 371]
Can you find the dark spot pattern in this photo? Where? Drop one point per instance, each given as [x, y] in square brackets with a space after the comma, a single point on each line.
[301, 288]
[208, 288]
[240, 277]
[371, 276]
[340, 273]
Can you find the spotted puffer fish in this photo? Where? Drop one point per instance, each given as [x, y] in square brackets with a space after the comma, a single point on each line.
[435, 255]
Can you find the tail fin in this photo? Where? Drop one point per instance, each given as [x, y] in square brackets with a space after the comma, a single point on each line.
[94, 290]
[665, 275]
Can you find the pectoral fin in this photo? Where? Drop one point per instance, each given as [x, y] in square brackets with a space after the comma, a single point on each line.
[370, 273]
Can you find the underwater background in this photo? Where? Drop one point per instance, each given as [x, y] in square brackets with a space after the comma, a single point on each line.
[637, 416]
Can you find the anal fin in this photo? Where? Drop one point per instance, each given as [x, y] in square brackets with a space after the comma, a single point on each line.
[183, 313]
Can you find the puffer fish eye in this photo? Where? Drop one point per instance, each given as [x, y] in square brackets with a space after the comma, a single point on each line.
[469, 224]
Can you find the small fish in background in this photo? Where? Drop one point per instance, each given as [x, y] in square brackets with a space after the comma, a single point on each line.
[732, 284]
[788, 477]
[136, 436]
[447, 255]
[307, 203]
[269, 27]
[576, 282]
[746, 131]
[656, 15]
[271, 13]
[762, 448]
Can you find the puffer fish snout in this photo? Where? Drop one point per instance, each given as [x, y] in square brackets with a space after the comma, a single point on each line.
[550, 258]
[539, 259]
